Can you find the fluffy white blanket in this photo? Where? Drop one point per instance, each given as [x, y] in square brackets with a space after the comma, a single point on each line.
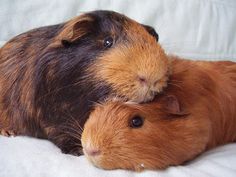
[29, 157]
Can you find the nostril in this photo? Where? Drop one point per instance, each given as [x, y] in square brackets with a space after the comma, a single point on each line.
[142, 80]
[153, 93]
[156, 82]
[92, 152]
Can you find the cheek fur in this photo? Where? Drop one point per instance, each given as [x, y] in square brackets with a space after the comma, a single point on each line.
[138, 149]
[126, 64]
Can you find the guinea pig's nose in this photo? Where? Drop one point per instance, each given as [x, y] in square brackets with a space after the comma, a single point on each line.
[153, 93]
[142, 80]
[92, 151]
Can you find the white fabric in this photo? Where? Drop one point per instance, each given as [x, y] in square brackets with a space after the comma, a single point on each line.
[28, 157]
[197, 29]
[190, 28]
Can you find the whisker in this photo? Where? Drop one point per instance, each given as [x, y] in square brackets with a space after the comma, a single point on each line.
[74, 122]
[173, 80]
[175, 85]
[82, 79]
[112, 68]
[148, 90]
[74, 135]
[71, 129]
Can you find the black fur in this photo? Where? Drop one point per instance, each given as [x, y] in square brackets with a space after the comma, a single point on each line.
[46, 89]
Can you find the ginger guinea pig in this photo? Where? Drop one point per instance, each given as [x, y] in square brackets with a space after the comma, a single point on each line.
[196, 112]
[51, 76]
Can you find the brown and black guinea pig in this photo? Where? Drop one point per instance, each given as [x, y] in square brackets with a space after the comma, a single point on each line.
[50, 77]
[196, 112]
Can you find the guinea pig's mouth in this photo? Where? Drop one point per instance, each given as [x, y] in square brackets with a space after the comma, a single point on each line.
[147, 93]
[100, 161]
[96, 157]
[138, 97]
[93, 154]
[104, 161]
[144, 96]
[108, 164]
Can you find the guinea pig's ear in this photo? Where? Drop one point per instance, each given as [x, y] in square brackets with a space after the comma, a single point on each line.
[151, 31]
[75, 29]
[172, 106]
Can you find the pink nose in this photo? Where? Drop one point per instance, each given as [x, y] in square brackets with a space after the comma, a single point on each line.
[92, 152]
[142, 80]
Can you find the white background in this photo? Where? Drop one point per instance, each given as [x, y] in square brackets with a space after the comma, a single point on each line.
[196, 29]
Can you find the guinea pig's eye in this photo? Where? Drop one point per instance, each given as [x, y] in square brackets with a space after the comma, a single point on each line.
[136, 122]
[108, 42]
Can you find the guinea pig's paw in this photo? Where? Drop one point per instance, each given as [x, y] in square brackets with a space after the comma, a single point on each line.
[8, 133]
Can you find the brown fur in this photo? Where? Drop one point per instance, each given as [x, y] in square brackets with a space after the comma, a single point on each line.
[135, 62]
[50, 77]
[196, 112]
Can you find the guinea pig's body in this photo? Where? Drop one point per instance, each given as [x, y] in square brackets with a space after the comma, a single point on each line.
[50, 77]
[196, 112]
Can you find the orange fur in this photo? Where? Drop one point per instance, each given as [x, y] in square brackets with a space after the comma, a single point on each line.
[50, 77]
[138, 57]
[174, 131]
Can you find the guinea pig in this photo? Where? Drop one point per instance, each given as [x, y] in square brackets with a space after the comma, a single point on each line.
[196, 112]
[50, 77]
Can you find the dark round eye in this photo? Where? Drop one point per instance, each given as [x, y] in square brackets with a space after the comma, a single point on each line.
[108, 42]
[136, 122]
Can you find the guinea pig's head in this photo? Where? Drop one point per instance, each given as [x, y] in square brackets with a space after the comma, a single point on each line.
[136, 137]
[118, 51]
